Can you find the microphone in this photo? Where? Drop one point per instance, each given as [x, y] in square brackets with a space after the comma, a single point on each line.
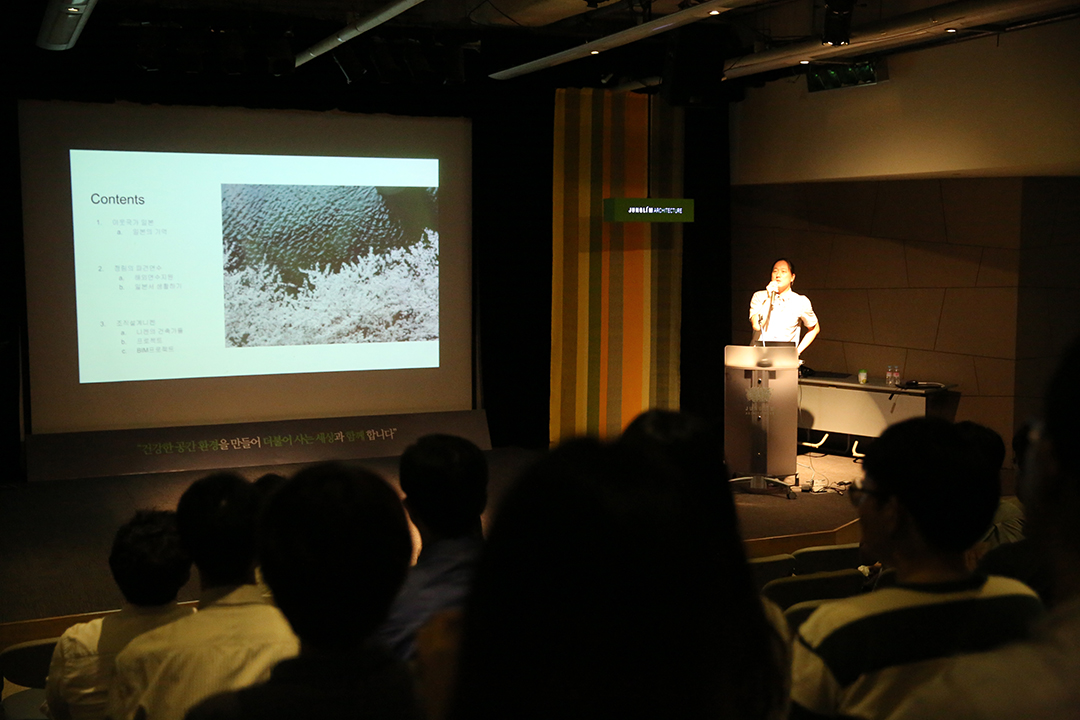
[772, 288]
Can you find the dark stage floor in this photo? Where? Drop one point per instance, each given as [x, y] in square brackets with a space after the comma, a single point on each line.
[55, 536]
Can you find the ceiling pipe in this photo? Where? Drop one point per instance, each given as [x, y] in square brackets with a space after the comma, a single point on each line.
[641, 84]
[625, 37]
[929, 24]
[360, 27]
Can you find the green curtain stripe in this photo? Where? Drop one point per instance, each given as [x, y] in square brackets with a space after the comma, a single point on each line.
[664, 322]
[657, 352]
[571, 183]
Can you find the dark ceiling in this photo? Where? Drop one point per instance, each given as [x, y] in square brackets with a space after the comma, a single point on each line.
[434, 58]
[439, 53]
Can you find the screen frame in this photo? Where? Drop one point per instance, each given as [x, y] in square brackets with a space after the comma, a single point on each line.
[59, 403]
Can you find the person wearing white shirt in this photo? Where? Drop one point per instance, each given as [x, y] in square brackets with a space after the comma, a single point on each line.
[777, 311]
[149, 567]
[236, 637]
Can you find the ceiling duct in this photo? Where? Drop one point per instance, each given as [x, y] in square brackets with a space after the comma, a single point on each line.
[935, 24]
[360, 27]
[625, 37]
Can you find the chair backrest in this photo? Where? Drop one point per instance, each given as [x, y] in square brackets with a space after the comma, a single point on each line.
[27, 663]
[796, 614]
[822, 558]
[885, 578]
[785, 592]
[771, 567]
[24, 705]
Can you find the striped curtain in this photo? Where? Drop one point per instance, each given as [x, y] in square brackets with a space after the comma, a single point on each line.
[615, 286]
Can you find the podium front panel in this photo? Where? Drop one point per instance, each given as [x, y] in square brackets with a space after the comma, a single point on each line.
[761, 410]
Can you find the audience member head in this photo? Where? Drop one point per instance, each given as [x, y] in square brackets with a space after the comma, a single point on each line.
[939, 479]
[266, 484]
[986, 442]
[692, 445]
[147, 561]
[334, 546]
[216, 517]
[1052, 478]
[1061, 421]
[605, 590]
[1022, 457]
[1021, 443]
[682, 437]
[445, 479]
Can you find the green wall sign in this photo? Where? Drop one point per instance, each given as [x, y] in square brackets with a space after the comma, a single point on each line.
[648, 210]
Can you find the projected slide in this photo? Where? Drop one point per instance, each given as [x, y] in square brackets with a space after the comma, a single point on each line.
[205, 265]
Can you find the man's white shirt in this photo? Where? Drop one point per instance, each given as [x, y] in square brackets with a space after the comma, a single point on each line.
[780, 322]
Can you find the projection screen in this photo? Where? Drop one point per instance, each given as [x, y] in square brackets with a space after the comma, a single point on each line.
[191, 266]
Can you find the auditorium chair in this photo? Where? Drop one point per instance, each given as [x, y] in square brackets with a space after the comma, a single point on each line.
[796, 614]
[26, 664]
[771, 567]
[788, 591]
[822, 558]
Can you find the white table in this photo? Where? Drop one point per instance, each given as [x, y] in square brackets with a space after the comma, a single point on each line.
[843, 405]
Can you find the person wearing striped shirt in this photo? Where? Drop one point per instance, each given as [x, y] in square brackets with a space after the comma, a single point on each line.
[1034, 679]
[927, 497]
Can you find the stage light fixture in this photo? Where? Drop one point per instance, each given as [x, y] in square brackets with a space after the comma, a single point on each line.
[845, 75]
[837, 27]
[63, 22]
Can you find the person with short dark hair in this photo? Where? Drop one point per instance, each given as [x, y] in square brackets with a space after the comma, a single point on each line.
[1019, 557]
[692, 444]
[777, 312]
[926, 498]
[234, 639]
[1007, 525]
[1035, 679]
[334, 546]
[607, 590]
[265, 486]
[149, 566]
[445, 479]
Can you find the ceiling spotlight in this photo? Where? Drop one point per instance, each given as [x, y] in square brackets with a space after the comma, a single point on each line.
[594, 52]
[950, 30]
[714, 12]
[837, 28]
[804, 62]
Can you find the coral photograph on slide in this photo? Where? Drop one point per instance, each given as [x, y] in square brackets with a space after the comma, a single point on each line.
[320, 265]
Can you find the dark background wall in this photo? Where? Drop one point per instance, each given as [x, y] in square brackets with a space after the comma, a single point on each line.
[512, 166]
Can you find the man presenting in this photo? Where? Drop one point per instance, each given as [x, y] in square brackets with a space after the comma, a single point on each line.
[775, 312]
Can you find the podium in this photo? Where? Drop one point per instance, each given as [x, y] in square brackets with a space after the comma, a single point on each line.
[761, 415]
